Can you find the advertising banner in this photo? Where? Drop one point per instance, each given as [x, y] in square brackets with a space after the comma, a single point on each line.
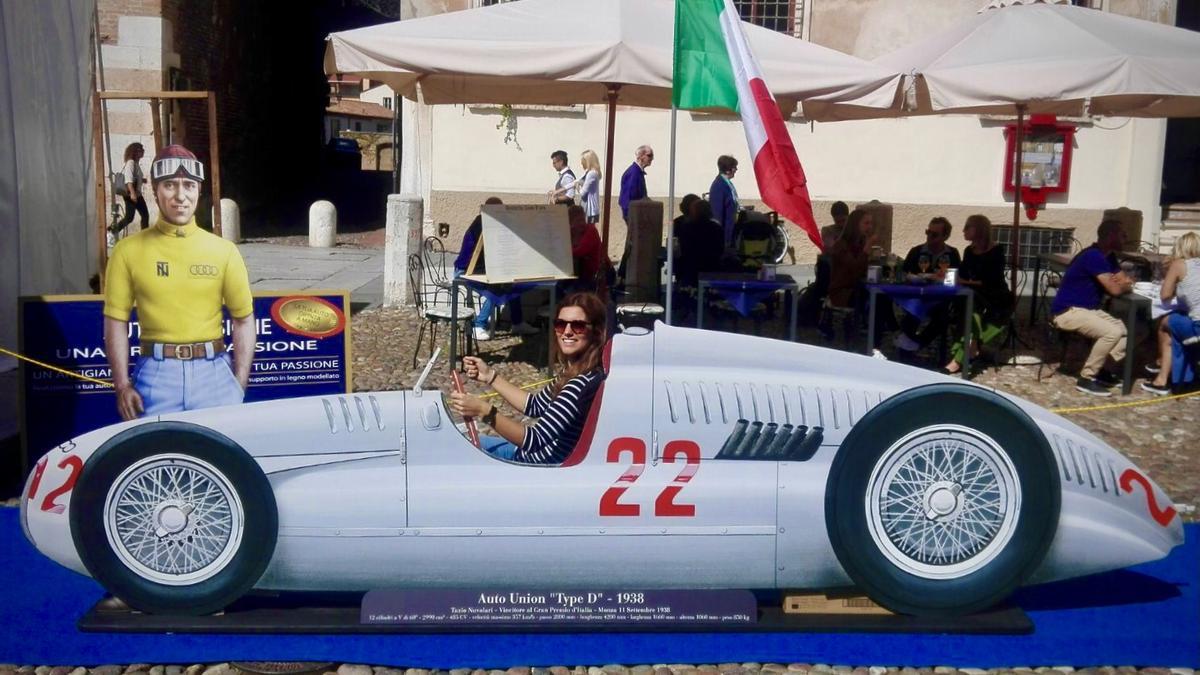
[303, 350]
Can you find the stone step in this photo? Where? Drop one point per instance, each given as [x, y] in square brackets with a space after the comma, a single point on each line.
[1182, 212]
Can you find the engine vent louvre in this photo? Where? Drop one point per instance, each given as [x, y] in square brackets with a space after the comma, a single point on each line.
[1100, 472]
[378, 414]
[329, 415]
[1062, 462]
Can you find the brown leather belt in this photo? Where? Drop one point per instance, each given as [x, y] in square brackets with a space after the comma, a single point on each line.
[187, 352]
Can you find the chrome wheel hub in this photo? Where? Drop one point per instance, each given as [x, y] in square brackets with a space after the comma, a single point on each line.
[173, 519]
[942, 502]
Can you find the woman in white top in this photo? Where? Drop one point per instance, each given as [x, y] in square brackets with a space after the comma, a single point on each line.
[131, 192]
[1179, 331]
[587, 188]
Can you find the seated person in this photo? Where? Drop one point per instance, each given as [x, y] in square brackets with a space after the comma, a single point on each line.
[831, 233]
[587, 251]
[848, 259]
[561, 407]
[701, 241]
[935, 256]
[1179, 331]
[1090, 276]
[983, 270]
[471, 238]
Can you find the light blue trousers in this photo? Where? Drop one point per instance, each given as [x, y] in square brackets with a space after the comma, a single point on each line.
[170, 385]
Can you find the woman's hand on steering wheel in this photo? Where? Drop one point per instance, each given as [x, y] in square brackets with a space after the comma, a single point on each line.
[468, 405]
[475, 368]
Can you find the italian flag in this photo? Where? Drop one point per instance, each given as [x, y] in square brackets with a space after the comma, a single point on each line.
[714, 68]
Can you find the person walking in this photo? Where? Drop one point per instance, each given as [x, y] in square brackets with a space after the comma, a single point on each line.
[131, 190]
[563, 191]
[587, 188]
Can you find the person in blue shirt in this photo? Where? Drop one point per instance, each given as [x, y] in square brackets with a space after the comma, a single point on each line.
[1091, 276]
[633, 188]
[480, 328]
[723, 197]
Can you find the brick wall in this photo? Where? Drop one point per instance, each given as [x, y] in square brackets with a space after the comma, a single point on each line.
[111, 10]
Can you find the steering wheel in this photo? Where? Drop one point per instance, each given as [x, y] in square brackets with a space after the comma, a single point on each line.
[472, 430]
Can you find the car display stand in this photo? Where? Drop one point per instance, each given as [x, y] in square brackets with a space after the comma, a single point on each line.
[325, 614]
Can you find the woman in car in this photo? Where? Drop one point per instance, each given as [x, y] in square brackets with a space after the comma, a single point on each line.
[560, 408]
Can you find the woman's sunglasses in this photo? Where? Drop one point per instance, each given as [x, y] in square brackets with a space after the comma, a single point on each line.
[577, 326]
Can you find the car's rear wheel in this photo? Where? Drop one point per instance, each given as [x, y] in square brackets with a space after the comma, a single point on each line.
[174, 518]
[942, 500]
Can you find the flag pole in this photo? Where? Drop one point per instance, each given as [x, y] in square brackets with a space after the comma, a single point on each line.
[671, 218]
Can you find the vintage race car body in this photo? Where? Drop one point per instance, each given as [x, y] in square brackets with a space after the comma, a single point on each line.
[710, 460]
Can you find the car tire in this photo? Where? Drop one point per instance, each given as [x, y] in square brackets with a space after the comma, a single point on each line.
[942, 500]
[174, 518]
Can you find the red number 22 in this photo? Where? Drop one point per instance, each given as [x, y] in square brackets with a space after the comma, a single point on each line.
[664, 504]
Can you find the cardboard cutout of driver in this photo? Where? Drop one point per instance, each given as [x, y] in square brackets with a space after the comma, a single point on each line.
[179, 277]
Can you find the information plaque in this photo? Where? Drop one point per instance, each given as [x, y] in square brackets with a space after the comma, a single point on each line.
[608, 608]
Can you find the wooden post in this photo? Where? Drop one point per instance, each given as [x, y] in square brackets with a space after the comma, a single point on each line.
[1016, 228]
[214, 160]
[156, 115]
[608, 163]
[101, 202]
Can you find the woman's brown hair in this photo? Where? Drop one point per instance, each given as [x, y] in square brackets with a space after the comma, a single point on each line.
[129, 149]
[852, 235]
[592, 357]
[982, 224]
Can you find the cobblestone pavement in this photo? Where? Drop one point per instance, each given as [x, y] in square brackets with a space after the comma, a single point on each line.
[611, 669]
[1159, 436]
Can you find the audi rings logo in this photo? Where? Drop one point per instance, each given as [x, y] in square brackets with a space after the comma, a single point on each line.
[203, 270]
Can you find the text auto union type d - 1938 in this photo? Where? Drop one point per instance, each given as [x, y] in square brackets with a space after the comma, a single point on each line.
[709, 460]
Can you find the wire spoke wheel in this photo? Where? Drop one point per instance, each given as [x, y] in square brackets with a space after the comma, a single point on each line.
[173, 519]
[942, 501]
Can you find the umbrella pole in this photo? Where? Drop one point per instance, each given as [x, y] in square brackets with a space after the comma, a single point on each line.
[1016, 231]
[671, 218]
[608, 163]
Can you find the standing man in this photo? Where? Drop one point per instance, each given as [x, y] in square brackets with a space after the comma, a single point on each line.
[564, 186]
[1090, 276]
[633, 188]
[633, 181]
[723, 197]
[179, 277]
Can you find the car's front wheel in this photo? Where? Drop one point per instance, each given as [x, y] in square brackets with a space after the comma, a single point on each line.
[942, 500]
[174, 518]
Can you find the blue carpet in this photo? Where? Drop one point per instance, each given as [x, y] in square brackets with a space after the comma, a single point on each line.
[1145, 616]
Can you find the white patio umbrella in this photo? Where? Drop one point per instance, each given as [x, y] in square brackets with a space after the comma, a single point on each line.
[587, 51]
[1033, 57]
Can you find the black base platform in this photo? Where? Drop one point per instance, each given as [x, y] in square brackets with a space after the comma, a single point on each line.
[340, 615]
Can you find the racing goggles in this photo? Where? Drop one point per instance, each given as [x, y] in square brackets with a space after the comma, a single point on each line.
[170, 167]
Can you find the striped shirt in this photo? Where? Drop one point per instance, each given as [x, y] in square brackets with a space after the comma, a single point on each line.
[560, 419]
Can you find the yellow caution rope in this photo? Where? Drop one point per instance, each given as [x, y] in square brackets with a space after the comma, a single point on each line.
[531, 385]
[56, 368]
[1127, 404]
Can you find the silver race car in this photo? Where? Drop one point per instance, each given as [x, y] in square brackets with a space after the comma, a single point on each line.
[709, 460]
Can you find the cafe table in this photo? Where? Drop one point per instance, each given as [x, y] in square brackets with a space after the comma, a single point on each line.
[499, 293]
[917, 299]
[744, 291]
[1129, 306]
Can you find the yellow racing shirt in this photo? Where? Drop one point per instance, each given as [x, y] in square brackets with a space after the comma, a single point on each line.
[178, 276]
